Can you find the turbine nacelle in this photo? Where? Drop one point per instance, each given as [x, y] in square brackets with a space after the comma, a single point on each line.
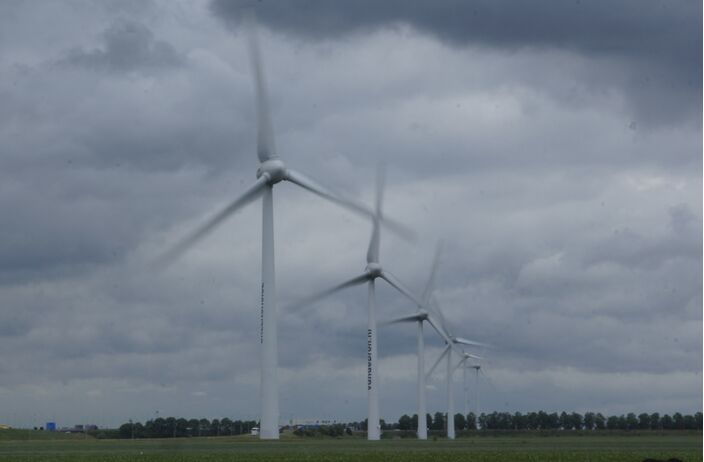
[374, 270]
[274, 169]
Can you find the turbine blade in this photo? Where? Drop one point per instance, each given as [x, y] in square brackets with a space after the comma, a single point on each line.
[430, 287]
[464, 341]
[411, 318]
[373, 251]
[432, 369]
[361, 279]
[307, 183]
[438, 329]
[457, 349]
[459, 364]
[265, 131]
[435, 308]
[199, 233]
[488, 379]
[396, 284]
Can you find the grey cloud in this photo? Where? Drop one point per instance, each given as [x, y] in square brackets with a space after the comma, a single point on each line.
[129, 46]
[665, 29]
[651, 48]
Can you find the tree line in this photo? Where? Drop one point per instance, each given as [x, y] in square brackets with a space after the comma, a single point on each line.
[172, 427]
[542, 420]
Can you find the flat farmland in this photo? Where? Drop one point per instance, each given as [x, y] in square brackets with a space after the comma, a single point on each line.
[504, 448]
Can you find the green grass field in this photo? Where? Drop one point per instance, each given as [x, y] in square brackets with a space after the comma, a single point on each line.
[507, 448]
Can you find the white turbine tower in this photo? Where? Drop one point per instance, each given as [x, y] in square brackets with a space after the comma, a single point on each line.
[271, 171]
[372, 271]
[419, 317]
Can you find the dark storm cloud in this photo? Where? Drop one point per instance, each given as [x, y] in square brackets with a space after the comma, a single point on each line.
[632, 27]
[653, 47]
[128, 46]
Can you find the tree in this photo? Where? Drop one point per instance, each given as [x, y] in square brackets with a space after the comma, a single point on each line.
[438, 421]
[520, 422]
[689, 422]
[565, 421]
[678, 421]
[192, 428]
[460, 421]
[589, 421]
[666, 422]
[471, 421]
[698, 420]
[226, 426]
[404, 422]
[576, 418]
[125, 430]
[169, 429]
[203, 427]
[599, 421]
[554, 421]
[181, 427]
[631, 421]
[612, 422]
[655, 421]
[482, 421]
[414, 422]
[159, 428]
[543, 420]
[533, 421]
[429, 421]
[644, 421]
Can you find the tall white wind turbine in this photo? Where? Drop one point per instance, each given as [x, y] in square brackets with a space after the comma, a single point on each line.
[271, 171]
[423, 315]
[372, 271]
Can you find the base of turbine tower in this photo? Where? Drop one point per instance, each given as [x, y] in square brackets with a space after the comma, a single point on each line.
[269, 435]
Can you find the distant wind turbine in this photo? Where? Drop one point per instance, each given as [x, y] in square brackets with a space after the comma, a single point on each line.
[422, 315]
[452, 342]
[464, 364]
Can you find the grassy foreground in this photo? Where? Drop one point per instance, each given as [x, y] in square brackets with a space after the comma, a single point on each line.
[507, 448]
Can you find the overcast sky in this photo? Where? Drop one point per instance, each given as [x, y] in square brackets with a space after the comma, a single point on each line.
[555, 146]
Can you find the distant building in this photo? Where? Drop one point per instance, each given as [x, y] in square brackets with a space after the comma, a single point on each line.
[310, 423]
[5, 427]
[254, 431]
[50, 426]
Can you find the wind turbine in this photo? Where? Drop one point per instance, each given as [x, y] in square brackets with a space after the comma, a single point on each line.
[451, 342]
[476, 368]
[372, 271]
[422, 315]
[465, 366]
[271, 171]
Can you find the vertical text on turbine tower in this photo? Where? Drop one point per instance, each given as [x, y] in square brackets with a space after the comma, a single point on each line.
[369, 359]
[261, 317]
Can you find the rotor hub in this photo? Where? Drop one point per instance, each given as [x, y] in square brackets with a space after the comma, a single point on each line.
[422, 315]
[274, 169]
[374, 270]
